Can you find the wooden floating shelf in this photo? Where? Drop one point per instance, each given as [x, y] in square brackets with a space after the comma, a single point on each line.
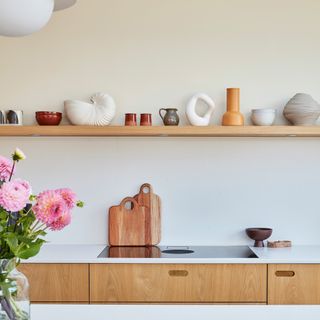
[158, 131]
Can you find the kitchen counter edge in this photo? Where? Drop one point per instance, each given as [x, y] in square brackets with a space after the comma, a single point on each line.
[88, 254]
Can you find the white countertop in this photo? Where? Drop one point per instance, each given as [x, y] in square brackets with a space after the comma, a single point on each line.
[295, 254]
[174, 312]
[89, 254]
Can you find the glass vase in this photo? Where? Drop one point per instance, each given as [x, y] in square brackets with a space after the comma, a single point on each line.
[14, 292]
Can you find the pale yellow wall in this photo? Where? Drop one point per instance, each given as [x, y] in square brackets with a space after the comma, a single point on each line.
[153, 53]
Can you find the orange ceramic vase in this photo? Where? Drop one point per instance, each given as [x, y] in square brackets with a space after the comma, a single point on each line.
[233, 117]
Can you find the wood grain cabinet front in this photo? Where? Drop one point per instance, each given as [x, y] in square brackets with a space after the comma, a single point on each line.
[64, 283]
[169, 283]
[294, 284]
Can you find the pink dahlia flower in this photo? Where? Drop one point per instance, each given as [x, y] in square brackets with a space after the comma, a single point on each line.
[14, 195]
[5, 168]
[24, 184]
[61, 222]
[69, 197]
[50, 207]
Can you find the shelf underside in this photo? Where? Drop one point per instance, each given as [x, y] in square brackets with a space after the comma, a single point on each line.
[159, 131]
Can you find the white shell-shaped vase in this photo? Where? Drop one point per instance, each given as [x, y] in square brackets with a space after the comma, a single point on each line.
[193, 117]
[100, 112]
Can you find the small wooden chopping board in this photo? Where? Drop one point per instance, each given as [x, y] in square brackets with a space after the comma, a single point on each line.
[152, 202]
[127, 227]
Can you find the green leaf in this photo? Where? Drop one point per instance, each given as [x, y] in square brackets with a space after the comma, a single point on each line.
[31, 250]
[25, 240]
[40, 233]
[12, 242]
[3, 215]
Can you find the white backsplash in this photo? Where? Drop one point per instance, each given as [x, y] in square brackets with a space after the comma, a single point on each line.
[211, 189]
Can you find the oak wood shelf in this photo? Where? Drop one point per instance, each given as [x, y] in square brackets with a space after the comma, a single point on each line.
[158, 131]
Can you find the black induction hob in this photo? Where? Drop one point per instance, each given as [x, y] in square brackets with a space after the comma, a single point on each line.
[176, 252]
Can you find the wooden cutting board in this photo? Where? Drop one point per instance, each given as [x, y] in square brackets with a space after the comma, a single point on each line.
[152, 202]
[127, 224]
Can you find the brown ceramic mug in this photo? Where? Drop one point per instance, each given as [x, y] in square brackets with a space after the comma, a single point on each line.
[131, 119]
[146, 119]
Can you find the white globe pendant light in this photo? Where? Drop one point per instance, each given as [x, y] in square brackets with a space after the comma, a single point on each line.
[23, 17]
[63, 4]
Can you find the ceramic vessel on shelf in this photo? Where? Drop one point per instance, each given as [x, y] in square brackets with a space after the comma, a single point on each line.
[171, 117]
[146, 119]
[48, 118]
[11, 117]
[191, 113]
[259, 235]
[130, 119]
[14, 117]
[2, 117]
[302, 110]
[100, 112]
[263, 117]
[233, 117]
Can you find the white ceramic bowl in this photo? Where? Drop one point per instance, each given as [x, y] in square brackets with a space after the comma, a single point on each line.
[263, 117]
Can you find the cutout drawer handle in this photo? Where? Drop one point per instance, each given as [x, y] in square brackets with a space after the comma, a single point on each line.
[289, 274]
[178, 273]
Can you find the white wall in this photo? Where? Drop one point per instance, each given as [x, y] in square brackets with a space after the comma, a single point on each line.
[149, 54]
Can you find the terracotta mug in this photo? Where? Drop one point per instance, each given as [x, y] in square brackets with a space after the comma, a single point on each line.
[146, 119]
[171, 117]
[131, 119]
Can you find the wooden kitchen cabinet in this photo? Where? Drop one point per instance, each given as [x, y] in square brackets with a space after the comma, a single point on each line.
[57, 282]
[169, 283]
[294, 284]
[174, 283]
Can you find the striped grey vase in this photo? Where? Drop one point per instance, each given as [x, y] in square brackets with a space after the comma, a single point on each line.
[302, 110]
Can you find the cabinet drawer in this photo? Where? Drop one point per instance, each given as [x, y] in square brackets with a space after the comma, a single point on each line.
[178, 283]
[294, 284]
[57, 282]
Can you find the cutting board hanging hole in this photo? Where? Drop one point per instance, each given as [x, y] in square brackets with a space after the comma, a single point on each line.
[146, 190]
[129, 205]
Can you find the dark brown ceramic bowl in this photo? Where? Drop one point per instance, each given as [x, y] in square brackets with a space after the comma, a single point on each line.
[48, 118]
[258, 235]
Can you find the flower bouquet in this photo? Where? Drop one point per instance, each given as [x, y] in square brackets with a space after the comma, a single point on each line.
[24, 219]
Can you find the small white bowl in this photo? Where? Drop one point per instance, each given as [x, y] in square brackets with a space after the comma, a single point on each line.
[263, 117]
[263, 110]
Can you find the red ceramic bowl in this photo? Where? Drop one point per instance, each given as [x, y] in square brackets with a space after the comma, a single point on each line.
[48, 118]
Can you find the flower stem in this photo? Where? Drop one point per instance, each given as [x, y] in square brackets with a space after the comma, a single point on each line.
[34, 226]
[12, 170]
[5, 304]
